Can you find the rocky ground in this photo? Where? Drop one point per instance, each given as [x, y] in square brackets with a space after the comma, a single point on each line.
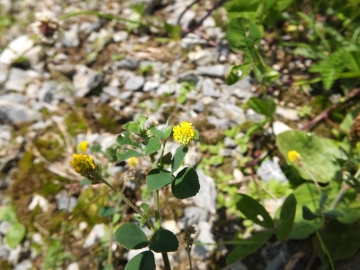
[98, 74]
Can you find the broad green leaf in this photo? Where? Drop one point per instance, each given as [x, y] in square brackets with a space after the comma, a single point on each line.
[349, 206]
[144, 260]
[287, 215]
[128, 154]
[15, 235]
[308, 214]
[341, 240]
[179, 156]
[131, 236]
[157, 133]
[96, 149]
[265, 107]
[323, 199]
[106, 211]
[141, 121]
[318, 155]
[246, 9]
[153, 145]
[247, 246]
[124, 139]
[348, 120]
[242, 33]
[333, 214]
[306, 194]
[237, 73]
[253, 210]
[164, 241]
[157, 179]
[7, 213]
[186, 184]
[132, 127]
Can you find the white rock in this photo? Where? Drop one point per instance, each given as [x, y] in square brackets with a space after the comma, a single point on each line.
[120, 36]
[171, 225]
[290, 114]
[97, 232]
[73, 266]
[206, 198]
[39, 200]
[16, 48]
[71, 38]
[280, 127]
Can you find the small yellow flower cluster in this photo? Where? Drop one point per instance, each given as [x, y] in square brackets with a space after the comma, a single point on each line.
[133, 161]
[294, 156]
[184, 133]
[82, 146]
[83, 164]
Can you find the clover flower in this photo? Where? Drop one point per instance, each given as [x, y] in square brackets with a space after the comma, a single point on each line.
[184, 133]
[82, 146]
[133, 161]
[46, 27]
[294, 156]
[85, 165]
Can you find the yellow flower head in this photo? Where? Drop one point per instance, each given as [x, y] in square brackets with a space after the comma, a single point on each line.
[184, 133]
[132, 161]
[294, 156]
[83, 164]
[82, 146]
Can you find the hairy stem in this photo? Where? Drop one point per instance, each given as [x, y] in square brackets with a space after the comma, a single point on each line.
[129, 203]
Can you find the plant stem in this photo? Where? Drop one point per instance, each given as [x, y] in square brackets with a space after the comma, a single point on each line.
[324, 248]
[312, 177]
[339, 196]
[166, 261]
[188, 252]
[157, 209]
[129, 203]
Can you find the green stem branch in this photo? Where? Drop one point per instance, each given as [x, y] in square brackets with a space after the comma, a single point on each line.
[129, 203]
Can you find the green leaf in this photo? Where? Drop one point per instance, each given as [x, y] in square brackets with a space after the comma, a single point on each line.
[157, 133]
[106, 211]
[306, 194]
[348, 120]
[186, 184]
[179, 156]
[237, 73]
[131, 236]
[132, 127]
[7, 213]
[157, 179]
[124, 139]
[253, 210]
[341, 240]
[144, 260]
[242, 33]
[164, 241]
[265, 107]
[333, 214]
[287, 215]
[247, 246]
[196, 136]
[153, 145]
[96, 149]
[128, 154]
[323, 199]
[15, 235]
[141, 121]
[308, 214]
[318, 155]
